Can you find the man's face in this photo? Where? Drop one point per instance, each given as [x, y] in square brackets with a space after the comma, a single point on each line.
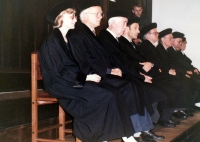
[153, 35]
[167, 40]
[133, 30]
[137, 11]
[177, 43]
[120, 25]
[183, 46]
[94, 16]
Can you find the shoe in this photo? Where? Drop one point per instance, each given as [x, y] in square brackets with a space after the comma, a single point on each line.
[141, 138]
[151, 135]
[180, 114]
[197, 104]
[174, 122]
[166, 123]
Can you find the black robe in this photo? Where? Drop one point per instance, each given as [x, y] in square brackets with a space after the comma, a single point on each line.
[176, 88]
[182, 65]
[95, 109]
[91, 58]
[130, 72]
[165, 58]
[176, 61]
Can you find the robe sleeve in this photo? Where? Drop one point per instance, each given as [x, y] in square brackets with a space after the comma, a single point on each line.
[56, 66]
[83, 50]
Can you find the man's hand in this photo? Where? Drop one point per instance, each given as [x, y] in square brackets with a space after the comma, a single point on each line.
[196, 71]
[147, 78]
[172, 72]
[93, 77]
[136, 41]
[146, 66]
[189, 72]
[116, 71]
[187, 75]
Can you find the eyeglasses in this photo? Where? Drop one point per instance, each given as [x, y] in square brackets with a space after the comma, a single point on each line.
[98, 14]
[155, 33]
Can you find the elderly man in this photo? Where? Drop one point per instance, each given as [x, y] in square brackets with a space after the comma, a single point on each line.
[176, 88]
[90, 57]
[109, 38]
[136, 59]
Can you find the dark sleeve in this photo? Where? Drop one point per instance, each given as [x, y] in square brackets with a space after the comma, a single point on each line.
[88, 61]
[56, 66]
[120, 59]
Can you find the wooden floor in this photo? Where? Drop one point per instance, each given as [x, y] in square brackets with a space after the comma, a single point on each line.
[177, 134]
[169, 133]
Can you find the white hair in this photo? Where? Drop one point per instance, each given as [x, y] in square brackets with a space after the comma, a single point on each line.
[82, 14]
[146, 36]
[112, 19]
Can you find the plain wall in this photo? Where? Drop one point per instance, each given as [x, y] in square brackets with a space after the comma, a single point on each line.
[182, 16]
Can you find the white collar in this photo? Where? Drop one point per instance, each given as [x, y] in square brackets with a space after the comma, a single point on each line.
[113, 34]
[128, 39]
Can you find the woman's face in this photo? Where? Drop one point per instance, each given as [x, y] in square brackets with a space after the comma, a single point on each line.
[69, 20]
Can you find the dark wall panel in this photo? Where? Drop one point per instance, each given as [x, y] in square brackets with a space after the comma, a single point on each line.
[22, 28]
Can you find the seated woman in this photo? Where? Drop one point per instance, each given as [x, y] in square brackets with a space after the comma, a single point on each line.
[95, 109]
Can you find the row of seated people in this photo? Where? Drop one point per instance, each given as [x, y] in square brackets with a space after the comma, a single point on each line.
[112, 88]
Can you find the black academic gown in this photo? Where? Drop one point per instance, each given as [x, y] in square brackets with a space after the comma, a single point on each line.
[182, 65]
[175, 87]
[90, 57]
[94, 108]
[135, 58]
[130, 72]
[176, 62]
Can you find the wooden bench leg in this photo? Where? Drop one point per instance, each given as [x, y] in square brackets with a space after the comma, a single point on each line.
[61, 121]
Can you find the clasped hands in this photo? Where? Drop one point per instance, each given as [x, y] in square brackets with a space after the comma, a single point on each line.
[172, 72]
[96, 78]
[146, 66]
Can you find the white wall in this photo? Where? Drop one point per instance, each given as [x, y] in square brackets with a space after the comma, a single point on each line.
[182, 16]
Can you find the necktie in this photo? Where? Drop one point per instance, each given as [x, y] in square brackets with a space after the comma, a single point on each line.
[133, 45]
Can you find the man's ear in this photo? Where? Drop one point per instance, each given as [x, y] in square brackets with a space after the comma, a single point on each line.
[133, 11]
[126, 29]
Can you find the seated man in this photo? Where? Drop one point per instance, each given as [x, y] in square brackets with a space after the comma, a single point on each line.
[177, 88]
[191, 70]
[183, 69]
[88, 53]
[140, 63]
[186, 61]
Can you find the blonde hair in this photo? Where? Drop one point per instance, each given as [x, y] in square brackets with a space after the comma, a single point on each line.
[59, 19]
